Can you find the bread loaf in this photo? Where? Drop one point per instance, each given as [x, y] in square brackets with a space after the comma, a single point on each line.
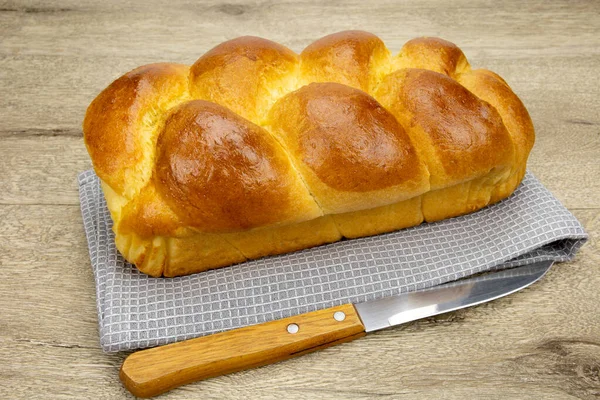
[255, 150]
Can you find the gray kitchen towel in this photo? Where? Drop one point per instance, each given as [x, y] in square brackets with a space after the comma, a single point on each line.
[137, 311]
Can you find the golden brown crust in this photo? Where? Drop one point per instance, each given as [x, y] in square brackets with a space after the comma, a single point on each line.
[433, 54]
[461, 137]
[353, 58]
[262, 151]
[348, 148]
[380, 219]
[493, 89]
[241, 74]
[199, 252]
[149, 215]
[462, 198]
[120, 118]
[348, 139]
[220, 172]
[284, 239]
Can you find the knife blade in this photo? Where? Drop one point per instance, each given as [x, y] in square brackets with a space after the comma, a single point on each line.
[150, 372]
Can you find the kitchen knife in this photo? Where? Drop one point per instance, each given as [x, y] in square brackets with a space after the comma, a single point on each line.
[153, 371]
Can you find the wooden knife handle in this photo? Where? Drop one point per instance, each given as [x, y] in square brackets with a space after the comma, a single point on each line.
[154, 371]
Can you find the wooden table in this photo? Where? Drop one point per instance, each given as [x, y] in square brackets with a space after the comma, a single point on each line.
[55, 56]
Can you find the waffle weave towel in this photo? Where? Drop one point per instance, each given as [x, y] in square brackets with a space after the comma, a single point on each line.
[137, 311]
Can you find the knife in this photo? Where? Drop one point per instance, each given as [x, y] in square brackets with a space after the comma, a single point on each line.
[154, 371]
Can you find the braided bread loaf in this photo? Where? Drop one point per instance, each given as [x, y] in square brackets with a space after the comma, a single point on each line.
[255, 150]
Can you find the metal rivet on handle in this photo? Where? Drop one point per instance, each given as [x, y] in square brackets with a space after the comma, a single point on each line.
[293, 328]
[339, 316]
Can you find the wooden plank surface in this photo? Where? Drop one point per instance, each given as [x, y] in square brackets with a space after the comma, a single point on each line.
[55, 56]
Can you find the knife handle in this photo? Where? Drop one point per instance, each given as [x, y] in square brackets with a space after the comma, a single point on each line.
[154, 371]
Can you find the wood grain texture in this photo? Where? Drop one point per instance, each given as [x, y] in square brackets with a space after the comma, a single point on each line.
[151, 372]
[55, 56]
